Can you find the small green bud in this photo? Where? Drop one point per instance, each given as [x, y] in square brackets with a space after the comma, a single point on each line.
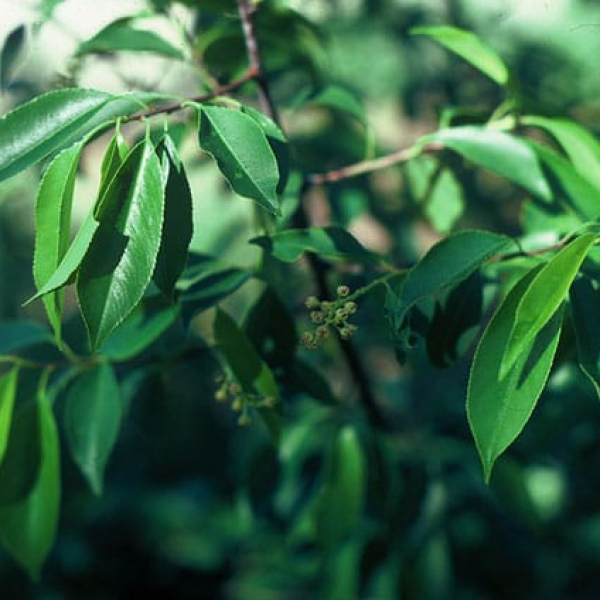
[244, 420]
[312, 302]
[234, 389]
[350, 307]
[322, 332]
[343, 291]
[221, 394]
[237, 405]
[316, 316]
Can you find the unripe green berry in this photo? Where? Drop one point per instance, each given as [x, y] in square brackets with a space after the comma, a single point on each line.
[244, 420]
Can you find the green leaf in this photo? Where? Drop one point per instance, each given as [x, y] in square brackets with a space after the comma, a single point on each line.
[53, 227]
[340, 502]
[582, 148]
[449, 261]
[499, 405]
[92, 420]
[251, 372]
[149, 320]
[327, 242]
[585, 311]
[581, 194]
[468, 46]
[240, 147]
[28, 527]
[122, 255]
[341, 99]
[123, 35]
[9, 54]
[178, 223]
[543, 298]
[55, 120]
[16, 335]
[498, 151]
[8, 392]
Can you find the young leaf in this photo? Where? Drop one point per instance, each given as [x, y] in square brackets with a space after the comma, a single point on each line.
[499, 405]
[92, 420]
[178, 223]
[543, 297]
[9, 54]
[582, 148]
[449, 261]
[468, 46]
[500, 152]
[585, 311]
[122, 255]
[251, 372]
[28, 527]
[53, 225]
[8, 392]
[122, 35]
[327, 242]
[240, 147]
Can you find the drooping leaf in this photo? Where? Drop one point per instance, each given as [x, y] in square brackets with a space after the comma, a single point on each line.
[252, 373]
[8, 392]
[16, 335]
[582, 148]
[579, 192]
[55, 120]
[585, 311]
[449, 261]
[340, 502]
[468, 46]
[28, 527]
[497, 151]
[53, 227]
[10, 53]
[328, 242]
[243, 154]
[123, 35]
[122, 255]
[149, 320]
[543, 297]
[92, 419]
[499, 405]
[178, 222]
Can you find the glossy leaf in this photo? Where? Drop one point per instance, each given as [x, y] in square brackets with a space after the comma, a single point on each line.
[8, 392]
[28, 527]
[55, 120]
[92, 420]
[468, 46]
[582, 148]
[243, 154]
[497, 151]
[327, 242]
[543, 297]
[449, 261]
[122, 255]
[123, 35]
[499, 405]
[53, 226]
[10, 53]
[585, 311]
[141, 328]
[178, 222]
[342, 495]
[251, 372]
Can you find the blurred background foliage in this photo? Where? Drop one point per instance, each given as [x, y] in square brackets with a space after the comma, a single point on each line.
[195, 506]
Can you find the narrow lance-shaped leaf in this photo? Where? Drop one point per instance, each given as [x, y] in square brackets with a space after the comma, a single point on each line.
[28, 527]
[499, 405]
[178, 223]
[498, 151]
[468, 46]
[543, 297]
[92, 416]
[53, 227]
[585, 311]
[10, 53]
[240, 147]
[8, 392]
[449, 261]
[120, 261]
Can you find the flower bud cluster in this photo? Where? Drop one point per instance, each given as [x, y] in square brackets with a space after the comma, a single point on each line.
[241, 402]
[330, 315]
